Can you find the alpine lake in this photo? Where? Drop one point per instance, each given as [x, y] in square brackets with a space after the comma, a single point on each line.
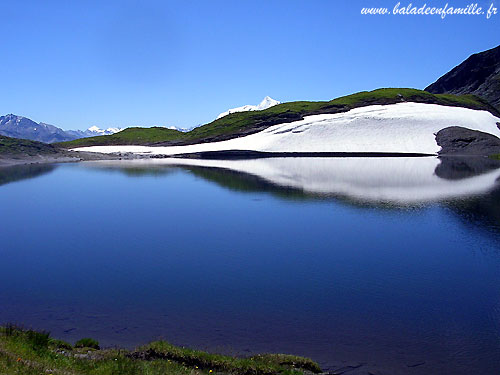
[366, 265]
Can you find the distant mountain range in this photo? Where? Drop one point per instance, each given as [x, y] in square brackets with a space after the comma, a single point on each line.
[478, 75]
[21, 127]
[94, 130]
[183, 130]
[24, 128]
[266, 103]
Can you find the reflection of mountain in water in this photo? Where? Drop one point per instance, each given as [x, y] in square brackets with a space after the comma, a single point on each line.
[22, 172]
[469, 187]
[482, 211]
[131, 170]
[457, 168]
[372, 181]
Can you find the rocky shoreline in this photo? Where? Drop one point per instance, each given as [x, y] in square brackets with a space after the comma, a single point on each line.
[64, 157]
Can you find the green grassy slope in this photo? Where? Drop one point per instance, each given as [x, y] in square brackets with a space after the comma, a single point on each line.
[244, 123]
[30, 352]
[23, 147]
[136, 136]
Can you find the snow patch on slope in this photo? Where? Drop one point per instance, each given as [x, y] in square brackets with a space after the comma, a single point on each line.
[401, 128]
[266, 103]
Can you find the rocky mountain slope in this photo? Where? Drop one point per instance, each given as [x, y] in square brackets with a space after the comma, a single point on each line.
[24, 128]
[478, 75]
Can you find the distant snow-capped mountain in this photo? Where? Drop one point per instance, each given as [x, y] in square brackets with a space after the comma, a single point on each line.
[94, 130]
[184, 130]
[267, 102]
[22, 127]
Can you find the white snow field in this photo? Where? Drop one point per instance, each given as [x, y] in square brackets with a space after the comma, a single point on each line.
[394, 180]
[395, 128]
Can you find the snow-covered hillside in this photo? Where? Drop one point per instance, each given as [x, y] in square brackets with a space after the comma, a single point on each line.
[267, 102]
[396, 128]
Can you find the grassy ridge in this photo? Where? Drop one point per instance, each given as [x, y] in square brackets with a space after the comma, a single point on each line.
[30, 352]
[243, 123]
[127, 137]
[14, 146]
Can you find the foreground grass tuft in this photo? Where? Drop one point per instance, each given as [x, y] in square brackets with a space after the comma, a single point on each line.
[87, 343]
[30, 352]
[38, 340]
[258, 365]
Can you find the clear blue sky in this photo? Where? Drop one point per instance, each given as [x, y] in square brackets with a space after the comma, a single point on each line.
[75, 64]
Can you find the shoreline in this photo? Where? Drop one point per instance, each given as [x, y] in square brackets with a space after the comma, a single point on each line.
[65, 157]
[29, 351]
[81, 156]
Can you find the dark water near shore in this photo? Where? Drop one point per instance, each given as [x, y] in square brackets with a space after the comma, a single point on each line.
[372, 266]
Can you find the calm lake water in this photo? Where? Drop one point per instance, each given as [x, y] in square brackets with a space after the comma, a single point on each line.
[369, 266]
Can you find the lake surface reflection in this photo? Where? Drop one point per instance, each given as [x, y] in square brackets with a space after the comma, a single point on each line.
[380, 265]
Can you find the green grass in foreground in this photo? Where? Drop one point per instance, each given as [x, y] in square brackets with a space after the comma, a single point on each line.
[30, 352]
[241, 121]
